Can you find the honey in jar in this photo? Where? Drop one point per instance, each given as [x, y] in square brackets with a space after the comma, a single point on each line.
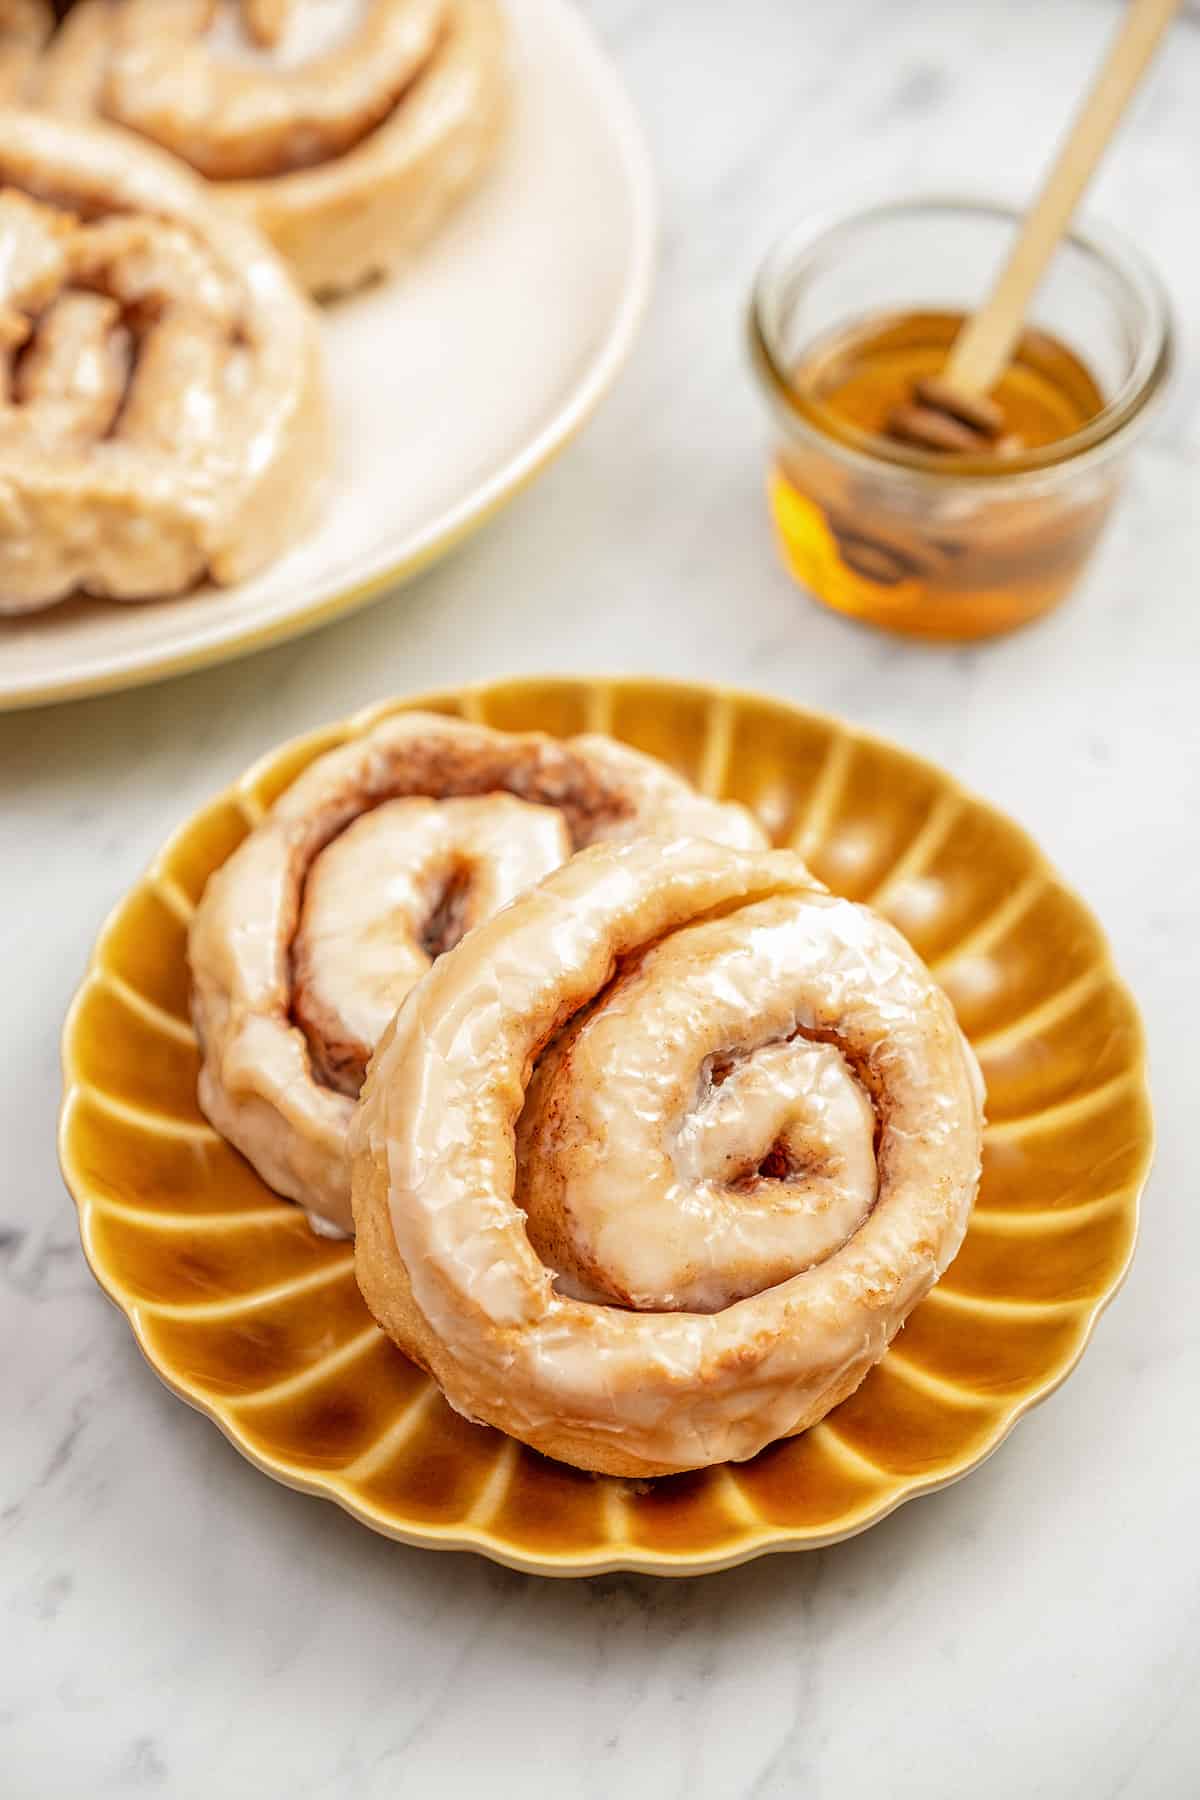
[941, 545]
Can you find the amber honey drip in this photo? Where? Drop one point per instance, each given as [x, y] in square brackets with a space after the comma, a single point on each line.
[957, 557]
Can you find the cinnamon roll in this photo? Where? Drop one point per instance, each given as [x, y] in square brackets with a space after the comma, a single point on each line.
[649, 1170]
[381, 857]
[162, 408]
[346, 130]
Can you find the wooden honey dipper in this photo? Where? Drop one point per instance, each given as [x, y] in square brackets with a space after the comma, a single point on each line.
[953, 411]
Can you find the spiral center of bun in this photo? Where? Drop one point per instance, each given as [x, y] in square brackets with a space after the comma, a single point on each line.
[120, 328]
[397, 888]
[701, 1132]
[317, 86]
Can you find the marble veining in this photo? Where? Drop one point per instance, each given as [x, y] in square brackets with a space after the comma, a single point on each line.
[175, 1624]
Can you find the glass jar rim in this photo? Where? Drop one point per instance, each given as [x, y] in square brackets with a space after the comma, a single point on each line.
[1151, 363]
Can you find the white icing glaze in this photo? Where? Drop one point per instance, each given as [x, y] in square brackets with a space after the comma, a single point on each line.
[437, 1132]
[236, 120]
[345, 129]
[646, 1175]
[165, 419]
[257, 1082]
[370, 893]
[304, 30]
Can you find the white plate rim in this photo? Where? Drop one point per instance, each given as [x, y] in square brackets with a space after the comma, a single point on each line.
[441, 534]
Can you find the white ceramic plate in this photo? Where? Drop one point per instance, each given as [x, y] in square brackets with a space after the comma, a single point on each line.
[453, 384]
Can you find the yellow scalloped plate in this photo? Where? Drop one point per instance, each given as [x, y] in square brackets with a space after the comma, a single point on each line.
[258, 1323]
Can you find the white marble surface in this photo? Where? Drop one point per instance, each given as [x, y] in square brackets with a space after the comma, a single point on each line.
[174, 1623]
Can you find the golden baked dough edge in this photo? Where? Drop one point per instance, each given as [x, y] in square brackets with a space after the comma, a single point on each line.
[361, 216]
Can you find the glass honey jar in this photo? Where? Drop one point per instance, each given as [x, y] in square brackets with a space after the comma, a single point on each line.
[847, 315]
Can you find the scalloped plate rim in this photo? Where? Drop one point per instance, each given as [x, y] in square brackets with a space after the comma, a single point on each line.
[479, 1540]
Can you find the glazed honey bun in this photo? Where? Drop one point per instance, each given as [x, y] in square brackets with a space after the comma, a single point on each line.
[345, 132]
[378, 859]
[162, 409]
[653, 1165]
